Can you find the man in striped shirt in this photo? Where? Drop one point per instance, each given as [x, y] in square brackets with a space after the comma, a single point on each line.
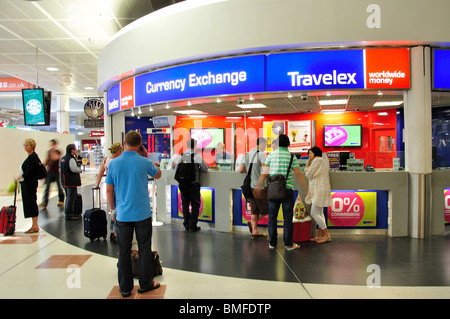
[277, 162]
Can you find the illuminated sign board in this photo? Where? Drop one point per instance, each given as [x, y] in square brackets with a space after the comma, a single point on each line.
[113, 99]
[346, 69]
[294, 71]
[226, 76]
[441, 67]
[317, 70]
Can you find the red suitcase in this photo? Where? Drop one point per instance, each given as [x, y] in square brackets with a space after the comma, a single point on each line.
[301, 231]
[8, 218]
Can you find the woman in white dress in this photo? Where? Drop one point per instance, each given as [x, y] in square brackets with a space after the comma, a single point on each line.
[319, 193]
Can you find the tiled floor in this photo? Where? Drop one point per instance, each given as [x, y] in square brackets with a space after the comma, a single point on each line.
[60, 263]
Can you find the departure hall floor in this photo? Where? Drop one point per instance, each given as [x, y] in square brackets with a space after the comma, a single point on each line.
[60, 263]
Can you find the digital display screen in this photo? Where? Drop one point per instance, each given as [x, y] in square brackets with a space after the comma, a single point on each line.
[36, 108]
[208, 137]
[342, 135]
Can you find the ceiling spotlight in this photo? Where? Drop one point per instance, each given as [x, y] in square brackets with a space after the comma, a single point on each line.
[289, 95]
[167, 106]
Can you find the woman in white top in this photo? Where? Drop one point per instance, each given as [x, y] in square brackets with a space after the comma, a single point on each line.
[319, 194]
[116, 150]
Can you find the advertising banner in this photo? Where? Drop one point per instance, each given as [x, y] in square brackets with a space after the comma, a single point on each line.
[387, 69]
[271, 131]
[206, 212]
[447, 204]
[300, 135]
[352, 209]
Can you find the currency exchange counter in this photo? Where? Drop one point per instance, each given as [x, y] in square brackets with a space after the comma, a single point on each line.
[361, 200]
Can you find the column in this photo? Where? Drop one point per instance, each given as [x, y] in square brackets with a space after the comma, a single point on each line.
[418, 157]
[62, 111]
[106, 126]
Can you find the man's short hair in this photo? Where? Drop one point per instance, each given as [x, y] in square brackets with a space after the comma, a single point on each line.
[283, 140]
[133, 139]
[191, 143]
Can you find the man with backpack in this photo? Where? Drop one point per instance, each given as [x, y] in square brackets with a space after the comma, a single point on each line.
[187, 174]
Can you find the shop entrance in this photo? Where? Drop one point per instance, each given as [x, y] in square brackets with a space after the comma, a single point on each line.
[383, 147]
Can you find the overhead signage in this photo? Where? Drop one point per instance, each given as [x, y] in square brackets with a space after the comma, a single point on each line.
[164, 121]
[113, 98]
[346, 69]
[94, 108]
[11, 84]
[387, 69]
[294, 71]
[316, 70]
[127, 94]
[226, 76]
[441, 65]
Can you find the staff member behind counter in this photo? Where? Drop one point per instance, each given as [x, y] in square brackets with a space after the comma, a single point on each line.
[221, 155]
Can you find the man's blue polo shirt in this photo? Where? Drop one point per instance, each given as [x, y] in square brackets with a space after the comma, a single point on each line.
[128, 173]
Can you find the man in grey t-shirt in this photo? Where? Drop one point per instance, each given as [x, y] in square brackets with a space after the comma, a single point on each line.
[259, 206]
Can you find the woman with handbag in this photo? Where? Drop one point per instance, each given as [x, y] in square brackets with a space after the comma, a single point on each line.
[319, 194]
[280, 190]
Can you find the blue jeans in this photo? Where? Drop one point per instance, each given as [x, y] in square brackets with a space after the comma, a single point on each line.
[125, 239]
[288, 207]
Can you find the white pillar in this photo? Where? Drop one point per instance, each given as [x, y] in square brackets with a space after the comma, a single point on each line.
[418, 157]
[62, 111]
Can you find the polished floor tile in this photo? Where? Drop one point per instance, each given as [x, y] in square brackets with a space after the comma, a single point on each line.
[210, 264]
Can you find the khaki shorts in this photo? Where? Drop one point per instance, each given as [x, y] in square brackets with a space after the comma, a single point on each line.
[259, 206]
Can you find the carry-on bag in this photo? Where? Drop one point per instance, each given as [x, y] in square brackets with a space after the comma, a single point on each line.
[156, 263]
[95, 223]
[8, 218]
[302, 231]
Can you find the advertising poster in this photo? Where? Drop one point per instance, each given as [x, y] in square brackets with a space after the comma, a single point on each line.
[447, 204]
[271, 132]
[353, 209]
[206, 212]
[300, 135]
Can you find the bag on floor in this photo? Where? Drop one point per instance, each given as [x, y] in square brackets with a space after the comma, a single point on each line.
[156, 263]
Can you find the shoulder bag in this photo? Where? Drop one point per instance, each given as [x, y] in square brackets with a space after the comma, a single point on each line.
[246, 187]
[276, 187]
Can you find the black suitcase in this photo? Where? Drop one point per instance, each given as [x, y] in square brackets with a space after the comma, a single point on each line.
[95, 223]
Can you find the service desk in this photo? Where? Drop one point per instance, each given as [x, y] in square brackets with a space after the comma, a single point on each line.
[395, 183]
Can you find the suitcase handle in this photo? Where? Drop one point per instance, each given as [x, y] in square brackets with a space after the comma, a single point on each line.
[94, 190]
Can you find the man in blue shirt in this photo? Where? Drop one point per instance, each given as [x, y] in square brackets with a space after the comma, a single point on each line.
[127, 177]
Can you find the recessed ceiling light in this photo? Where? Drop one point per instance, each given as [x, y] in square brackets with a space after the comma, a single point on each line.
[52, 69]
[251, 106]
[393, 103]
[88, 88]
[333, 102]
[189, 112]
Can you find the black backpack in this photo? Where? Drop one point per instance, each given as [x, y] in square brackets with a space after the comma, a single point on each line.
[185, 173]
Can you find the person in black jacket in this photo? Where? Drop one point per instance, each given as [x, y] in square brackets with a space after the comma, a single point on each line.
[70, 178]
[29, 183]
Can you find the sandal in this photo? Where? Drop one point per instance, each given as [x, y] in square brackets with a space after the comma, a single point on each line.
[324, 240]
[32, 230]
[258, 236]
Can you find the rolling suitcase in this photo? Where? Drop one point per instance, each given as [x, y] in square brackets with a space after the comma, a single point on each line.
[95, 223]
[8, 218]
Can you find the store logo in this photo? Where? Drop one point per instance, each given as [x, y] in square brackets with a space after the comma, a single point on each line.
[34, 107]
[325, 79]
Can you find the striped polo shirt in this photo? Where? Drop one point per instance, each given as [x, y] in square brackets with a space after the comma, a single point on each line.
[278, 161]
